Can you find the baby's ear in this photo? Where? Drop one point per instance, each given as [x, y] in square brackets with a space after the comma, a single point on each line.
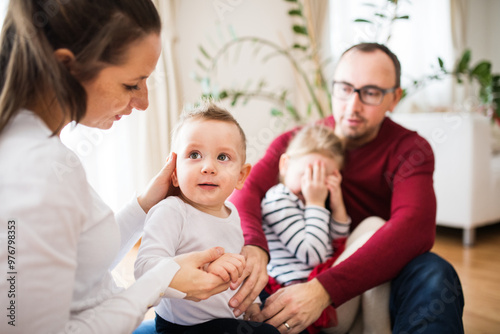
[244, 172]
[175, 181]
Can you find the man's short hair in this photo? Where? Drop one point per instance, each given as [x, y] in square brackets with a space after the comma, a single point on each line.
[371, 47]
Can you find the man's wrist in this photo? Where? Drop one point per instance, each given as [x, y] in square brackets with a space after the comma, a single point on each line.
[320, 293]
[264, 251]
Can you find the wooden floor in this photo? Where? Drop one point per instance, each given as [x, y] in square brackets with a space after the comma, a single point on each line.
[479, 270]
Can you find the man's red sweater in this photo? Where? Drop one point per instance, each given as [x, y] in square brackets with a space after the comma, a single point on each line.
[389, 177]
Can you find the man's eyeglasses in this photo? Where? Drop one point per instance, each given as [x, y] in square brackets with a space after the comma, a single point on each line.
[371, 95]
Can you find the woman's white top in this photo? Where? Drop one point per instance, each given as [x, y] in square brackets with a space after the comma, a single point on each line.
[64, 242]
[173, 228]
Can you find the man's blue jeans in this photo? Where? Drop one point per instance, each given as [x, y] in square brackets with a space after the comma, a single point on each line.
[427, 297]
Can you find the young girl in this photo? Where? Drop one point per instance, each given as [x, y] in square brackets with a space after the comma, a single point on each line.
[305, 213]
[299, 222]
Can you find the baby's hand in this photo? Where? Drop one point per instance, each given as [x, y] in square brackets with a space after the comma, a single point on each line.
[251, 312]
[229, 267]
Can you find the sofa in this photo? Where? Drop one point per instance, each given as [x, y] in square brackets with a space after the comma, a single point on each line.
[467, 168]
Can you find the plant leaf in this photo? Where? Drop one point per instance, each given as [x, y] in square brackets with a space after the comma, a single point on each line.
[301, 47]
[464, 62]
[205, 53]
[276, 112]
[291, 109]
[405, 93]
[283, 95]
[482, 71]
[200, 64]
[295, 12]
[363, 21]
[404, 17]
[300, 29]
[236, 96]
[223, 94]
[441, 63]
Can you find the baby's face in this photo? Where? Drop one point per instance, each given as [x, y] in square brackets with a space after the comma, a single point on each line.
[210, 163]
[294, 168]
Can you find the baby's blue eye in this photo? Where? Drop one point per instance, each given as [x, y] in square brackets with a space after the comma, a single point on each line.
[194, 155]
[223, 157]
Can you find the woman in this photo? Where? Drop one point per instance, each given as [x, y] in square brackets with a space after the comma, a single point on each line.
[84, 61]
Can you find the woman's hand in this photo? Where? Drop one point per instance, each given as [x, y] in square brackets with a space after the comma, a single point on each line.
[195, 282]
[159, 186]
[254, 279]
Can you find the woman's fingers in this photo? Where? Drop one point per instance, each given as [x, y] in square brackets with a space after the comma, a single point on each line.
[159, 186]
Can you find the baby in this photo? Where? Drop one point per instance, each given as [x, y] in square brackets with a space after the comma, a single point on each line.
[211, 155]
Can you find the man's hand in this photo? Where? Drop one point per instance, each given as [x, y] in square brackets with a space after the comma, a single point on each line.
[298, 305]
[254, 279]
[251, 312]
[229, 267]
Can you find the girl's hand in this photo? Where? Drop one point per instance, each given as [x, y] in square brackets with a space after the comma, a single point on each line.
[159, 186]
[313, 185]
[336, 200]
[229, 267]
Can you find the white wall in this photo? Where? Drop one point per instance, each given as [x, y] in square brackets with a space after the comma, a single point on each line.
[3, 9]
[483, 31]
[206, 23]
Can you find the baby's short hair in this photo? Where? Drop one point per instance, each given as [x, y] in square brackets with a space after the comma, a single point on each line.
[208, 110]
[319, 139]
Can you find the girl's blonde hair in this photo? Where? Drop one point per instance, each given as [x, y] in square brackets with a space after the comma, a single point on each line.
[316, 139]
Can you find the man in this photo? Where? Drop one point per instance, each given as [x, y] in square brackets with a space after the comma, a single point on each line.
[388, 173]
